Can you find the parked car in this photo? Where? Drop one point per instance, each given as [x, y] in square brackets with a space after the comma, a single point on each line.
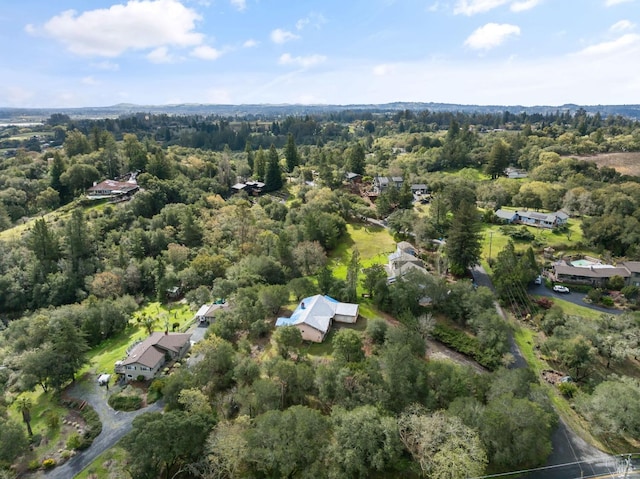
[561, 289]
[538, 280]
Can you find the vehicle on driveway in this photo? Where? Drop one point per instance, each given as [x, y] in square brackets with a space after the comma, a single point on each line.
[558, 288]
[538, 280]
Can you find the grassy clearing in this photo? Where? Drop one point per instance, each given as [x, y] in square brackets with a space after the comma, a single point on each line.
[109, 464]
[103, 357]
[576, 310]
[372, 242]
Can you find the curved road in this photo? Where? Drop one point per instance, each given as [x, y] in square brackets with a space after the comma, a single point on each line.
[571, 457]
[575, 298]
[115, 424]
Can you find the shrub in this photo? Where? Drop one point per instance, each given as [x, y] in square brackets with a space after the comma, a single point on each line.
[140, 378]
[544, 303]
[74, 441]
[568, 389]
[607, 301]
[122, 402]
[35, 440]
[465, 344]
[52, 419]
[49, 463]
[377, 330]
[94, 426]
[33, 465]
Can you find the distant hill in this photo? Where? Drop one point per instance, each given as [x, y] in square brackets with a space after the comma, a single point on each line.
[269, 110]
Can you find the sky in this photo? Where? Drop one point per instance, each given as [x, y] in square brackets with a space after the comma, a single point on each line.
[82, 53]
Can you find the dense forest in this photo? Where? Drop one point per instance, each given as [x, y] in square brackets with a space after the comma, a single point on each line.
[75, 274]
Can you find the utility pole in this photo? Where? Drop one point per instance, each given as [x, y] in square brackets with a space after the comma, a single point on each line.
[627, 465]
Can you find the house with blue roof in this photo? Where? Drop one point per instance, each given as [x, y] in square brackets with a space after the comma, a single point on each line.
[315, 315]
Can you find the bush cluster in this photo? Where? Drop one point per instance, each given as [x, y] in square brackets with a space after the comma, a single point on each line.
[123, 402]
[465, 344]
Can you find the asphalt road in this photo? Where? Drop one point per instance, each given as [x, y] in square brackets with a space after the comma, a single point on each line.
[573, 297]
[571, 456]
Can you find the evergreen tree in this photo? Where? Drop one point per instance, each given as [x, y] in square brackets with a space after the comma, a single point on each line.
[357, 159]
[463, 245]
[259, 165]
[58, 167]
[291, 154]
[273, 173]
[249, 151]
[498, 159]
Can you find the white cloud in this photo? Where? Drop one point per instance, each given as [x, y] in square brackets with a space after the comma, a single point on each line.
[305, 62]
[136, 25]
[106, 65]
[316, 20]
[30, 29]
[611, 3]
[471, 7]
[491, 35]
[89, 80]
[205, 52]
[239, 4]
[524, 5]
[250, 43]
[160, 55]
[625, 42]
[281, 36]
[621, 26]
[383, 69]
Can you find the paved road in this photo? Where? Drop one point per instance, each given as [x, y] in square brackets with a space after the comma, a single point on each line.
[582, 459]
[573, 297]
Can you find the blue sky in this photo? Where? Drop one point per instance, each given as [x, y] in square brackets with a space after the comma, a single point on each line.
[71, 53]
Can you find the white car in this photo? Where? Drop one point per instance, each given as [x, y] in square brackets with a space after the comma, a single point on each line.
[538, 280]
[561, 289]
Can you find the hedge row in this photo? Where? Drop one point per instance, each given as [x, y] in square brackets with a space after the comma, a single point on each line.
[463, 343]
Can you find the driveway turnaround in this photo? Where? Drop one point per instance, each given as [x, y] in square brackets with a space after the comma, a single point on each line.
[115, 424]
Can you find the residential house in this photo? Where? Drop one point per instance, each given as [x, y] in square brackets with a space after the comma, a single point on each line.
[419, 189]
[207, 312]
[634, 272]
[113, 189]
[353, 177]
[147, 357]
[591, 273]
[381, 183]
[534, 218]
[403, 260]
[315, 315]
[252, 188]
[515, 173]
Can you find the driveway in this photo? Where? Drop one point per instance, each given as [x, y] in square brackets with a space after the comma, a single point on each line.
[115, 424]
[573, 297]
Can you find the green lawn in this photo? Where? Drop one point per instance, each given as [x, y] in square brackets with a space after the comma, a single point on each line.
[576, 310]
[103, 357]
[373, 243]
[109, 464]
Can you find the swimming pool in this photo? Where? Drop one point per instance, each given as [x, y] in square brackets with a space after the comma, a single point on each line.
[583, 263]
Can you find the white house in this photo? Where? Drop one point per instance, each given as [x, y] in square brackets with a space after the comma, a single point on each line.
[315, 314]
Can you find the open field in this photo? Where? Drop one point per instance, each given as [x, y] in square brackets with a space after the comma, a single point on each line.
[372, 242]
[623, 163]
